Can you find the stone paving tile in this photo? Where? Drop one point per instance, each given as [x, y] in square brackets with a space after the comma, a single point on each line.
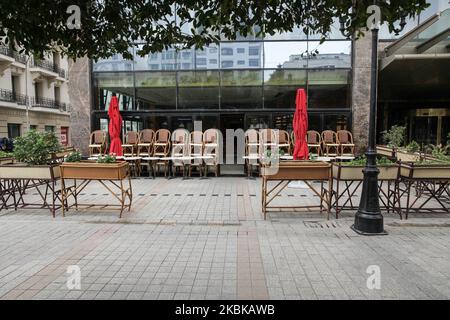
[181, 241]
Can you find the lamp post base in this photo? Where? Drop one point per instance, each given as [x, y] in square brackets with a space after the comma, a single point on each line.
[368, 227]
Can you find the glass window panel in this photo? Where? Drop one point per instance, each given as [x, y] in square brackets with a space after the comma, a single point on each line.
[314, 122]
[295, 34]
[156, 122]
[280, 87]
[328, 96]
[156, 90]
[284, 54]
[233, 53]
[114, 63]
[241, 89]
[283, 121]
[198, 89]
[107, 83]
[182, 122]
[331, 54]
[207, 58]
[208, 122]
[336, 122]
[254, 121]
[334, 34]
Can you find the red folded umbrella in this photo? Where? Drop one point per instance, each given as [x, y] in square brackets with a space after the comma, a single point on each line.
[300, 126]
[115, 127]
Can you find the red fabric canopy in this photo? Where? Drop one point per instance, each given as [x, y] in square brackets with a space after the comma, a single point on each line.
[300, 126]
[115, 127]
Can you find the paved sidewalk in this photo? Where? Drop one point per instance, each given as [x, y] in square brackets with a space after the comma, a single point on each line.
[206, 239]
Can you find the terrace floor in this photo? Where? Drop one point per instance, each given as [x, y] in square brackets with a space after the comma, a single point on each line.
[206, 239]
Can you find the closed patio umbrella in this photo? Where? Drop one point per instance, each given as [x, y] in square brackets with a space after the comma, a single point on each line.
[300, 126]
[115, 127]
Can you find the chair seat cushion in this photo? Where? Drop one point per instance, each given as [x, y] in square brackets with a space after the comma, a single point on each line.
[313, 145]
[144, 144]
[127, 145]
[95, 145]
[347, 144]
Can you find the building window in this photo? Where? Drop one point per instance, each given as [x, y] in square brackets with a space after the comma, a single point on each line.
[186, 65]
[212, 61]
[33, 127]
[240, 50]
[201, 61]
[49, 128]
[227, 51]
[241, 62]
[253, 63]
[227, 64]
[154, 66]
[153, 56]
[13, 130]
[213, 50]
[186, 55]
[253, 51]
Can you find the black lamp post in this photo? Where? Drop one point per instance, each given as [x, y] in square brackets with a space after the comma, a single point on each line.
[368, 218]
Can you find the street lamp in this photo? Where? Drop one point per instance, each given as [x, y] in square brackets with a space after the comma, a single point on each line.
[368, 218]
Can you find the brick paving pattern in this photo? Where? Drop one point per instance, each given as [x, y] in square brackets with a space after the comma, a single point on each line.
[206, 239]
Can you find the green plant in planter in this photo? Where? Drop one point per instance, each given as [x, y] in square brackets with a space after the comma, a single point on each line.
[412, 147]
[361, 162]
[4, 154]
[395, 136]
[440, 153]
[73, 157]
[109, 158]
[34, 148]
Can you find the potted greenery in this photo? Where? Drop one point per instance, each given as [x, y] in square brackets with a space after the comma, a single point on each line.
[32, 153]
[393, 139]
[6, 157]
[353, 170]
[435, 166]
[105, 168]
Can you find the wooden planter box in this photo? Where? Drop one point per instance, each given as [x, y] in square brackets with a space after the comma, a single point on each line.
[297, 170]
[6, 160]
[425, 171]
[404, 156]
[355, 173]
[33, 172]
[386, 151]
[87, 170]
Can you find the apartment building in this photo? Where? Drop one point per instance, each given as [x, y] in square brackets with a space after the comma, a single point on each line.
[34, 94]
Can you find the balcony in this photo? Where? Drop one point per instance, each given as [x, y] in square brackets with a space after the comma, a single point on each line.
[9, 56]
[49, 104]
[10, 96]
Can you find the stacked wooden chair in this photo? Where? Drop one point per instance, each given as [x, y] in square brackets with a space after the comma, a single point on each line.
[145, 144]
[196, 150]
[180, 148]
[252, 150]
[161, 148]
[314, 141]
[284, 142]
[330, 143]
[211, 148]
[97, 143]
[130, 145]
[346, 144]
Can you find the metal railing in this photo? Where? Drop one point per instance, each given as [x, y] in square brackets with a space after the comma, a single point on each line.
[50, 66]
[13, 54]
[6, 51]
[10, 96]
[49, 103]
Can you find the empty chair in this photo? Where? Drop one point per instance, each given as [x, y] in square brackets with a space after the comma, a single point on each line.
[145, 144]
[211, 148]
[267, 138]
[284, 142]
[97, 143]
[345, 139]
[314, 142]
[330, 143]
[251, 142]
[196, 150]
[161, 148]
[180, 148]
[129, 147]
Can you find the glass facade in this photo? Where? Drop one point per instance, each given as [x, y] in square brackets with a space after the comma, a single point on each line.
[253, 79]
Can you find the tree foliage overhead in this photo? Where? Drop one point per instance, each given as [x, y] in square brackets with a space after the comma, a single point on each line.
[112, 26]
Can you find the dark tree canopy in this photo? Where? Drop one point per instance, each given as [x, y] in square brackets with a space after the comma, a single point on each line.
[112, 26]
